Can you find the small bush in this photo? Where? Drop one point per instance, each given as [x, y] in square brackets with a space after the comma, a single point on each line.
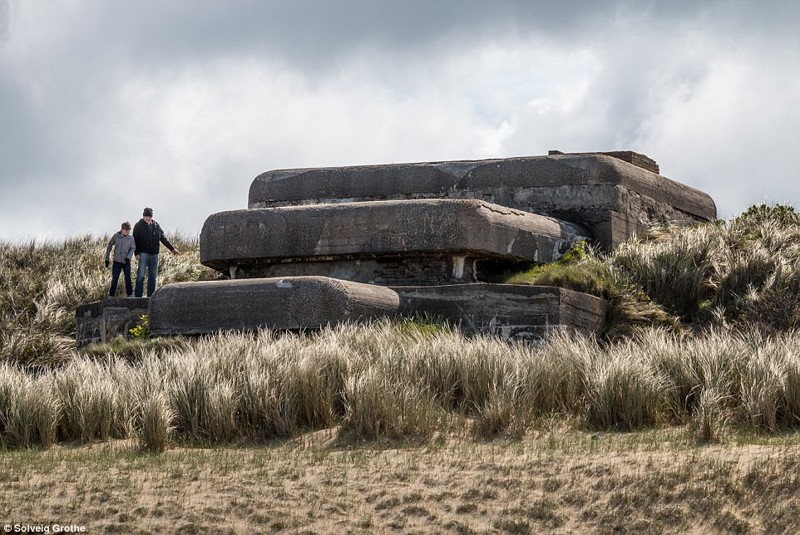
[782, 214]
[141, 331]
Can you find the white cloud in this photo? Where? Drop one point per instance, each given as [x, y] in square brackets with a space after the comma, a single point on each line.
[735, 132]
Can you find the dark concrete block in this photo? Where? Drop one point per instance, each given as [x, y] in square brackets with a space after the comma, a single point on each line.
[366, 231]
[102, 321]
[430, 269]
[247, 305]
[508, 310]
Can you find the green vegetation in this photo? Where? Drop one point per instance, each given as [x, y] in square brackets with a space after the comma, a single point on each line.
[141, 330]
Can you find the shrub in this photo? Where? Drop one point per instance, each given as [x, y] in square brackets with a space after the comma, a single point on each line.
[142, 329]
[783, 214]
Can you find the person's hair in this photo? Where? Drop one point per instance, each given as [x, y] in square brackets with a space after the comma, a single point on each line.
[126, 226]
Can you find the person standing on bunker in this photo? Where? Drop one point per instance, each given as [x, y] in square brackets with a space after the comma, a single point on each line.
[124, 248]
[148, 236]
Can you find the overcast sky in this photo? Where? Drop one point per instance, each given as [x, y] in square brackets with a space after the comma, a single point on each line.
[108, 106]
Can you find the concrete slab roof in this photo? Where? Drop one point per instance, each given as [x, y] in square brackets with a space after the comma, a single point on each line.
[383, 228]
[439, 179]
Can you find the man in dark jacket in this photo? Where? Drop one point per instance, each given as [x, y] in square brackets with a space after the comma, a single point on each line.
[148, 236]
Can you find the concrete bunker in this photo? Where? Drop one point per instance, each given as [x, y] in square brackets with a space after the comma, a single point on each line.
[316, 247]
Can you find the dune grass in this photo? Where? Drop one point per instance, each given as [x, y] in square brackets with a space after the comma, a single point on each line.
[41, 285]
[386, 381]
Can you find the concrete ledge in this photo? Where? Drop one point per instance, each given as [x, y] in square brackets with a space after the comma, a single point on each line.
[582, 188]
[368, 230]
[247, 305]
[102, 321]
[507, 310]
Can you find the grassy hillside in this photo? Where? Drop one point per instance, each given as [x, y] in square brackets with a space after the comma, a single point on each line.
[742, 275]
[702, 330]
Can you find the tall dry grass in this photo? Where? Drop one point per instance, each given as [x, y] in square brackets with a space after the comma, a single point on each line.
[42, 283]
[381, 380]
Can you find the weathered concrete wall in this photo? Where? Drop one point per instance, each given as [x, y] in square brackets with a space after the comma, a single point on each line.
[605, 194]
[508, 310]
[102, 321]
[247, 305]
[325, 239]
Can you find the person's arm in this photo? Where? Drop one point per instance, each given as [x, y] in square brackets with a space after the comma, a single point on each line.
[131, 250]
[108, 248]
[136, 240]
[166, 242]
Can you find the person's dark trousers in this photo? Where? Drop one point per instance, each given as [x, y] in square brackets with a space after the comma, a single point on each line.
[116, 268]
[149, 263]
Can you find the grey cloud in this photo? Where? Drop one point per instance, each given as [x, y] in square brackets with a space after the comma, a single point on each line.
[313, 34]
[309, 31]
[4, 20]
[193, 99]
